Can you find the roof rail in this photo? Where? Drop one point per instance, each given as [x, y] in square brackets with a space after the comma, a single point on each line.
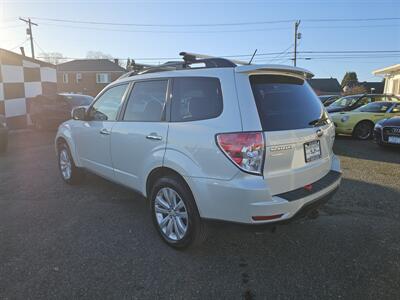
[196, 56]
[188, 60]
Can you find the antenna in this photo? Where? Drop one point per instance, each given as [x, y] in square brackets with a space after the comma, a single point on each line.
[251, 59]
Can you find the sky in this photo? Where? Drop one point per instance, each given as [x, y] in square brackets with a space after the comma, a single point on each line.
[177, 32]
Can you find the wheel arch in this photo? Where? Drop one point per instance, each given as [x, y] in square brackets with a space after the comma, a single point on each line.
[160, 172]
[64, 136]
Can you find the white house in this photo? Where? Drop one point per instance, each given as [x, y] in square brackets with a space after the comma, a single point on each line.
[392, 76]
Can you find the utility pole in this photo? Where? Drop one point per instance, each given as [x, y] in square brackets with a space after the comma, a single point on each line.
[297, 36]
[29, 32]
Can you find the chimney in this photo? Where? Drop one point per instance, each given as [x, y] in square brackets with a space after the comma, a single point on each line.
[22, 51]
[116, 61]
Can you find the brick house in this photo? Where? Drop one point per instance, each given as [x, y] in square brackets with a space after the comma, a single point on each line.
[23, 78]
[87, 76]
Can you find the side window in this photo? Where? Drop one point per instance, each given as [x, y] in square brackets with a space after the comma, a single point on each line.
[195, 98]
[146, 102]
[106, 107]
[364, 100]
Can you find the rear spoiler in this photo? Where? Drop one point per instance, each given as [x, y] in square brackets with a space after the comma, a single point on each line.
[278, 68]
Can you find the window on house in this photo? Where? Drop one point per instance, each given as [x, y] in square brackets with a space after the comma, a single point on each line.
[103, 78]
[65, 77]
[78, 77]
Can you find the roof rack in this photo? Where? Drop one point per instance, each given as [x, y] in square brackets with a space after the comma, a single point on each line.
[189, 59]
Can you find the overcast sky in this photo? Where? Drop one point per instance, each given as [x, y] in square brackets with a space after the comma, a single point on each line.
[76, 39]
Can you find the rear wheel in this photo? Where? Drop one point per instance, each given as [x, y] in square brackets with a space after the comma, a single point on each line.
[175, 213]
[363, 130]
[70, 173]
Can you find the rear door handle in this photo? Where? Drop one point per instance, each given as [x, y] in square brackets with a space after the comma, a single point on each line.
[105, 131]
[154, 136]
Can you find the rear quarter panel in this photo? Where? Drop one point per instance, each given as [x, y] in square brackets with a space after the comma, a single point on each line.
[191, 147]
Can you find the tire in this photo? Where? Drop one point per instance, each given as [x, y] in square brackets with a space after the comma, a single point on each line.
[69, 172]
[169, 215]
[363, 130]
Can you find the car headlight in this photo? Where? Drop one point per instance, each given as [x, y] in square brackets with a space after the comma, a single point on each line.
[378, 125]
[344, 118]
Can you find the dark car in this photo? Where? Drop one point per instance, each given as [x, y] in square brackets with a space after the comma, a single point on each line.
[387, 131]
[3, 134]
[328, 99]
[49, 112]
[352, 102]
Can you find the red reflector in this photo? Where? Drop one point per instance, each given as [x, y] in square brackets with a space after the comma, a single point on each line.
[308, 187]
[266, 218]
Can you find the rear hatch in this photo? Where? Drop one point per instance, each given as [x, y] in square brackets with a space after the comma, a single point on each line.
[297, 131]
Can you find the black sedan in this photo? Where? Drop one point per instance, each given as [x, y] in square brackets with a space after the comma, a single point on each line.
[328, 99]
[352, 102]
[3, 134]
[387, 132]
[49, 112]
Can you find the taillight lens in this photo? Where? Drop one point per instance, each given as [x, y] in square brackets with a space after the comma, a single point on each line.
[245, 149]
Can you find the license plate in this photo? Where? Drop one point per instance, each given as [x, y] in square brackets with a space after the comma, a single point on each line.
[394, 139]
[312, 151]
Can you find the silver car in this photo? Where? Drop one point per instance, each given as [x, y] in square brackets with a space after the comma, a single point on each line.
[248, 144]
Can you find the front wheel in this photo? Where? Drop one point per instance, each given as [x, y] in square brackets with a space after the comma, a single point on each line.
[70, 173]
[175, 213]
[363, 130]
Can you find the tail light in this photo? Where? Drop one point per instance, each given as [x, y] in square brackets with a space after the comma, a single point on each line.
[245, 150]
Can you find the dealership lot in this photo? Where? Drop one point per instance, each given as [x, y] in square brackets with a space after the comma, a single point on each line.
[96, 240]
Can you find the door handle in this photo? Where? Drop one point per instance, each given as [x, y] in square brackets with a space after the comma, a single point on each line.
[154, 136]
[105, 131]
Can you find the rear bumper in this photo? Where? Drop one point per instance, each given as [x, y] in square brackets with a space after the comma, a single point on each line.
[246, 200]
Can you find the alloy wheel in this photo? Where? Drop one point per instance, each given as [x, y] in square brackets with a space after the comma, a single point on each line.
[65, 164]
[171, 214]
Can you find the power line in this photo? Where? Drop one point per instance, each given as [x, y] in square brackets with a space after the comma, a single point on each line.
[19, 45]
[165, 31]
[217, 24]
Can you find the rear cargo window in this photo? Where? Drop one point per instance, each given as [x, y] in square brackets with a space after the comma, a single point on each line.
[285, 103]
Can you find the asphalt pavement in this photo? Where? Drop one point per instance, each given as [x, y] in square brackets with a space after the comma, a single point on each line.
[96, 240]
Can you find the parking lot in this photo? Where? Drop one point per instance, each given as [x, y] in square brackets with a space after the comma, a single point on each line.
[96, 240]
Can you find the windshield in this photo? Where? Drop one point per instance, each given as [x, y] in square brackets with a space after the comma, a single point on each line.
[285, 103]
[78, 100]
[345, 102]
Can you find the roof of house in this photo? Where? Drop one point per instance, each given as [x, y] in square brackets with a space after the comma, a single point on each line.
[90, 65]
[387, 70]
[9, 57]
[325, 84]
[377, 86]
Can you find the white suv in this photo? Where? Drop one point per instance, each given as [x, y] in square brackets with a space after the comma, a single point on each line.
[248, 144]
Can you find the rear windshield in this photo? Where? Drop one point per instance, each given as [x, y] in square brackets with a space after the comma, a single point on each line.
[285, 103]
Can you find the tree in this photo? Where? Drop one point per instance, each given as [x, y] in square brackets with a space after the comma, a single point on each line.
[98, 55]
[350, 79]
[52, 57]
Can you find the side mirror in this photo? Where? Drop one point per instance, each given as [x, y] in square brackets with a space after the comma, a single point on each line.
[79, 113]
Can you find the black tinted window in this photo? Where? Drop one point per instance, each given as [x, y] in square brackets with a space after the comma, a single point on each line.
[147, 101]
[195, 98]
[107, 106]
[285, 103]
